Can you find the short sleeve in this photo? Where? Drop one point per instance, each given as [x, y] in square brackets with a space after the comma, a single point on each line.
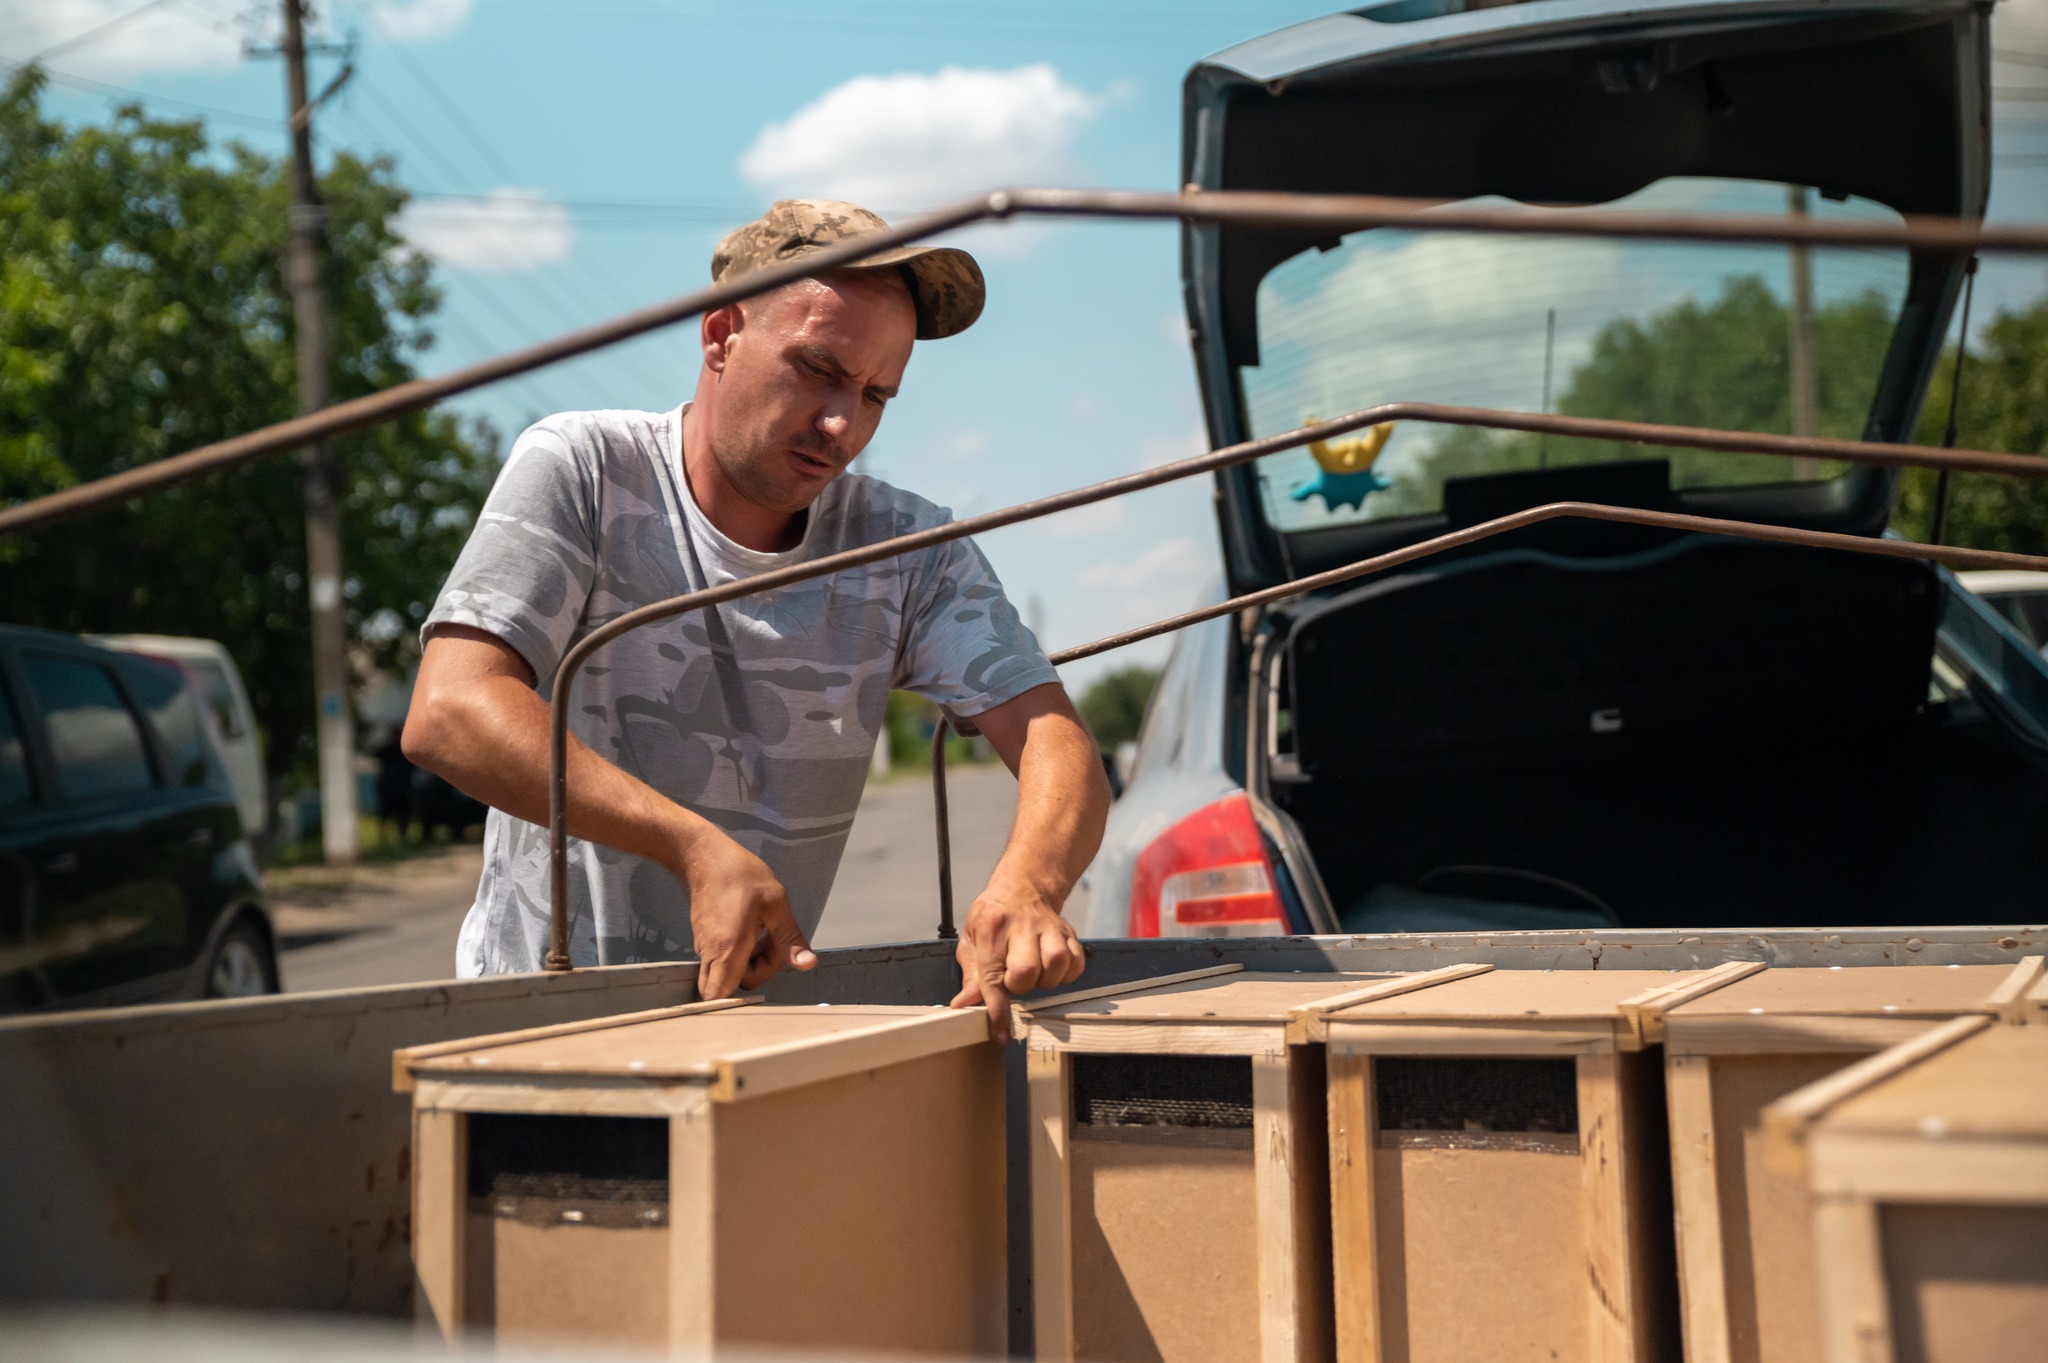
[966, 647]
[525, 573]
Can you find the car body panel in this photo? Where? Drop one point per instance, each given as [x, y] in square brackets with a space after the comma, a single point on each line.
[230, 718]
[1347, 104]
[116, 896]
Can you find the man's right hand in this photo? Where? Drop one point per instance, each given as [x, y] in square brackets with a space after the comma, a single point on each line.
[739, 915]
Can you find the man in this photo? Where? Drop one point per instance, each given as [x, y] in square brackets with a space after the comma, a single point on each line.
[716, 759]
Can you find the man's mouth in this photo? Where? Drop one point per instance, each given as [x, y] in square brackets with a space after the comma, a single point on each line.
[814, 464]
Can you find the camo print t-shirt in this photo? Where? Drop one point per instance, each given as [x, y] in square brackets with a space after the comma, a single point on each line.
[761, 715]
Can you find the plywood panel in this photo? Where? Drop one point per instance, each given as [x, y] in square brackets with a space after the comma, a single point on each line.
[1766, 1217]
[1994, 1083]
[1967, 1284]
[1512, 994]
[1482, 1256]
[1164, 1252]
[561, 1283]
[1249, 996]
[1934, 990]
[867, 1212]
[687, 1046]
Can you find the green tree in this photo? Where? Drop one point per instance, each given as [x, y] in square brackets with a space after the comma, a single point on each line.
[143, 312]
[1113, 706]
[1720, 364]
[2004, 407]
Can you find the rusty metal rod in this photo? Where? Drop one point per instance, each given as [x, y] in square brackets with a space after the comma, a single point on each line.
[1229, 208]
[1664, 520]
[1636, 432]
[944, 825]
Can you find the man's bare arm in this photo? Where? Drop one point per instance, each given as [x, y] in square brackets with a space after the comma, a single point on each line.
[1014, 939]
[477, 722]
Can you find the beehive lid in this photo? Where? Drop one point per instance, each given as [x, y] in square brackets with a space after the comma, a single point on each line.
[1992, 1084]
[1925, 990]
[1221, 1010]
[1531, 1010]
[736, 1050]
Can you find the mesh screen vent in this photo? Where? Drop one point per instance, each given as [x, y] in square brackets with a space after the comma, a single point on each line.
[600, 1159]
[1202, 1092]
[1478, 1102]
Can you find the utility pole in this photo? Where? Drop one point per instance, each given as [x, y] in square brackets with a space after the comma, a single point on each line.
[319, 473]
[1805, 381]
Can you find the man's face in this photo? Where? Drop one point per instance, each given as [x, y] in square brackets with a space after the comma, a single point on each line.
[802, 375]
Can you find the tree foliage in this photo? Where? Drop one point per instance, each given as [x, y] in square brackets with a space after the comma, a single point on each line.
[144, 311]
[1725, 364]
[2004, 407]
[1114, 705]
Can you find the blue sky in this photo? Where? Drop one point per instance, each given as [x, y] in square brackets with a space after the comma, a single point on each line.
[604, 145]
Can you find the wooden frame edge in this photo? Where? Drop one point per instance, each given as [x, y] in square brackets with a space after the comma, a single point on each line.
[1052, 1225]
[792, 1064]
[1306, 1022]
[1786, 1122]
[1645, 1011]
[2014, 994]
[402, 1061]
[1020, 1011]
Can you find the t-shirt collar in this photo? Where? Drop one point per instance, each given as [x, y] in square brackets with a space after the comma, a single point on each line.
[728, 548]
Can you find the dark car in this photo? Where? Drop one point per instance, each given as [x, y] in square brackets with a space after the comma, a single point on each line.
[1582, 724]
[124, 872]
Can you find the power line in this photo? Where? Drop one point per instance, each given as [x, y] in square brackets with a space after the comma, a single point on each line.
[79, 39]
[123, 92]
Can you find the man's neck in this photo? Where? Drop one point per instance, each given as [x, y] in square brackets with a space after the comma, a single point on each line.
[745, 523]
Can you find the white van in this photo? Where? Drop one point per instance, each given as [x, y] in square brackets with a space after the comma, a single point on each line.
[229, 717]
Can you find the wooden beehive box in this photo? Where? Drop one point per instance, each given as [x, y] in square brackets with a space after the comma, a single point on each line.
[1928, 1170]
[1746, 1267]
[1496, 1171]
[1179, 1205]
[716, 1174]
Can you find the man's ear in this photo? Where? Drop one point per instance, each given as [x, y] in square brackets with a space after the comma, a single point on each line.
[718, 329]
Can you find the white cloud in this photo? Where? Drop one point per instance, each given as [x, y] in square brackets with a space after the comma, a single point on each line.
[911, 141]
[1165, 449]
[505, 231]
[111, 38]
[166, 38]
[964, 444]
[415, 21]
[1171, 563]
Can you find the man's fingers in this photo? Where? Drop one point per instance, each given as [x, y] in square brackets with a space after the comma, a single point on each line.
[1059, 958]
[762, 965]
[1021, 966]
[719, 970]
[790, 947]
[998, 1001]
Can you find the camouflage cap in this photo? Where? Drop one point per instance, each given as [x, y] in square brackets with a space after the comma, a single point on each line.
[945, 283]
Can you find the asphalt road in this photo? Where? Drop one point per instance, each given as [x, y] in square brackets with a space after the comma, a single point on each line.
[396, 923]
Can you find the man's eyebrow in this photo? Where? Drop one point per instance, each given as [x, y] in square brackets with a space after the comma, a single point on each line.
[827, 361]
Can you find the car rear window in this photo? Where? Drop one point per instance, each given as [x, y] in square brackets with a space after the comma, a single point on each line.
[159, 688]
[14, 787]
[93, 735]
[220, 697]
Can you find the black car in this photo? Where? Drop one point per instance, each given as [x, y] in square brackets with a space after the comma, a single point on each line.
[124, 872]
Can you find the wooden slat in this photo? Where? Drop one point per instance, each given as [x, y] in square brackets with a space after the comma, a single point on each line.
[1354, 1248]
[771, 1069]
[1537, 1037]
[1105, 1036]
[1026, 1007]
[1273, 1195]
[402, 1062]
[1052, 1232]
[572, 1095]
[439, 1211]
[2010, 999]
[1790, 1034]
[1646, 1010]
[1603, 1154]
[1696, 1195]
[1305, 1024]
[1786, 1121]
[1856, 1322]
[693, 1231]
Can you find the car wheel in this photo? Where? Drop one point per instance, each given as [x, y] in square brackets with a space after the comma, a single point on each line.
[242, 966]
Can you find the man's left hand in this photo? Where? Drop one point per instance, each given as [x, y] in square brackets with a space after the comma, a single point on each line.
[1013, 941]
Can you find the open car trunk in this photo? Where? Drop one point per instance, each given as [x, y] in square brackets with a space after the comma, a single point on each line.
[1698, 733]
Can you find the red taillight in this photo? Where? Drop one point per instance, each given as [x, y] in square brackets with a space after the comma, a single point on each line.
[1207, 876]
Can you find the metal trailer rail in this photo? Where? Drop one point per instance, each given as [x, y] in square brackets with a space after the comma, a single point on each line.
[1330, 213]
[113, 1111]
